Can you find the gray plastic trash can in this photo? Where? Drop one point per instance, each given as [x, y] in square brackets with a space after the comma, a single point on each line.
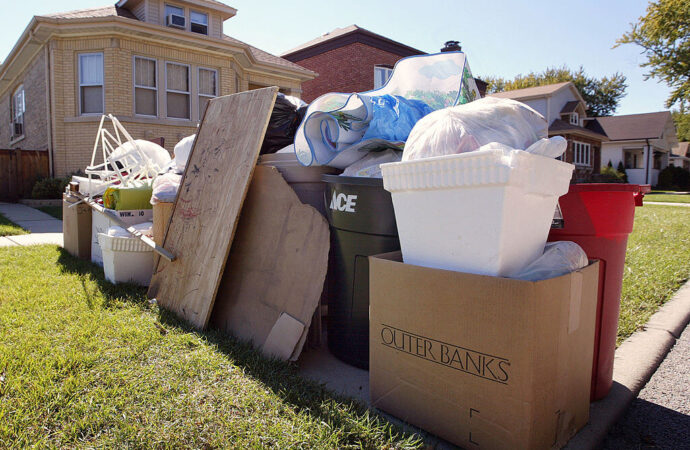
[362, 221]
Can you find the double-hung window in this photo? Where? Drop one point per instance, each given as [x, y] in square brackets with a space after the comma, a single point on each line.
[17, 109]
[582, 154]
[198, 22]
[178, 95]
[575, 119]
[208, 88]
[145, 87]
[381, 76]
[91, 97]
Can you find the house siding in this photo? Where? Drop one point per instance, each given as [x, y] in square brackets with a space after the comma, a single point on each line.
[140, 11]
[74, 134]
[359, 60]
[35, 117]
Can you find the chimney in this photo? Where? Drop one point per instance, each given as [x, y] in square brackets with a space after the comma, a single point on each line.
[452, 46]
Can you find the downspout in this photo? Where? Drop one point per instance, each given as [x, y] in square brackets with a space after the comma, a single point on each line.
[49, 112]
[649, 157]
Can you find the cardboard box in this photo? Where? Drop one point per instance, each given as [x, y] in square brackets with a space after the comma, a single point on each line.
[161, 217]
[483, 362]
[76, 227]
[100, 224]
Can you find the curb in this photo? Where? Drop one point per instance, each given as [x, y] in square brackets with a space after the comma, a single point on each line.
[635, 362]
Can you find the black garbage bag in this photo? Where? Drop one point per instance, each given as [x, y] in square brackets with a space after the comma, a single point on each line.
[286, 117]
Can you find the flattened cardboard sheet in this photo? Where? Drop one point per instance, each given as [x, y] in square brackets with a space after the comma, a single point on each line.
[277, 266]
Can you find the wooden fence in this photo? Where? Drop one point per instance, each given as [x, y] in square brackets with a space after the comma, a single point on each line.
[19, 170]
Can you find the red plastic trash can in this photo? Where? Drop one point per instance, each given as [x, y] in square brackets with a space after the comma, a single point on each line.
[599, 218]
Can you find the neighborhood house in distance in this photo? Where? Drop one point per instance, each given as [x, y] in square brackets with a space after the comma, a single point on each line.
[152, 63]
[642, 142]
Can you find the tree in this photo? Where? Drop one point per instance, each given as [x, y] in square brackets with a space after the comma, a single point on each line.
[664, 35]
[681, 118]
[602, 95]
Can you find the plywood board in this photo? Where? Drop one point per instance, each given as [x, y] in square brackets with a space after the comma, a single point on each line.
[277, 266]
[209, 201]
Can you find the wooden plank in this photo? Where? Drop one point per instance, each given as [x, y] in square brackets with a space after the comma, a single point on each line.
[277, 266]
[209, 201]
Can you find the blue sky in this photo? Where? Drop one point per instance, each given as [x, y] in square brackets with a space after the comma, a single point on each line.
[500, 37]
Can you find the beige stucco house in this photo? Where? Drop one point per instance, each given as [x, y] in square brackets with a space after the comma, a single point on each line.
[152, 63]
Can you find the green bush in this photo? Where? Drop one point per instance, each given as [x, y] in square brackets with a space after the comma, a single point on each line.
[674, 178]
[621, 170]
[610, 175]
[49, 188]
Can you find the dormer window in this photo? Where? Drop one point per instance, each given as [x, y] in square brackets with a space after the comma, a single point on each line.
[198, 22]
[174, 17]
[574, 119]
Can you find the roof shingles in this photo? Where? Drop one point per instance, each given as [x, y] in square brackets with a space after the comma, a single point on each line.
[634, 126]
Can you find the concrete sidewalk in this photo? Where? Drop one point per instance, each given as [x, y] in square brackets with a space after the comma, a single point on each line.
[667, 204]
[44, 228]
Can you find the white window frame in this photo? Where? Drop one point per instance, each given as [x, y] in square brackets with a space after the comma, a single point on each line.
[388, 71]
[582, 154]
[575, 119]
[14, 116]
[198, 86]
[134, 83]
[102, 85]
[207, 24]
[189, 93]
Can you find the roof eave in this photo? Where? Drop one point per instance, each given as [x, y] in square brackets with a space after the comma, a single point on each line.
[228, 11]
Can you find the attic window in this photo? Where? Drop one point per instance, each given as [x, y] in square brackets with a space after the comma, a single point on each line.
[198, 22]
[575, 119]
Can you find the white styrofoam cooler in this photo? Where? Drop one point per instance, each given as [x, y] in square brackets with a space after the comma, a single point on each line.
[100, 224]
[486, 212]
[126, 259]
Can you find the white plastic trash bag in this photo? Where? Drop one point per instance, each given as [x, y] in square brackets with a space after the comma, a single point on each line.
[465, 128]
[551, 148]
[141, 151]
[145, 228]
[370, 165]
[559, 258]
[165, 188]
[182, 151]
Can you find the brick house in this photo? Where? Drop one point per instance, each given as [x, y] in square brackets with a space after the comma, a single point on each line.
[152, 63]
[565, 112]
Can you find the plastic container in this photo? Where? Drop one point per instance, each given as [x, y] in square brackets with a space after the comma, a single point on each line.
[305, 181]
[100, 224]
[486, 212]
[362, 222]
[126, 260]
[599, 218]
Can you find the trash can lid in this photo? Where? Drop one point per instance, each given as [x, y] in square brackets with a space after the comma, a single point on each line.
[359, 181]
[604, 187]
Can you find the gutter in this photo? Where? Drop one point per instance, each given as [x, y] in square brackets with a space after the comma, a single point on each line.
[649, 157]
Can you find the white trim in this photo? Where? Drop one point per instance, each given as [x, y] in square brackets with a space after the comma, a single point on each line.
[188, 93]
[585, 159]
[198, 90]
[80, 85]
[135, 87]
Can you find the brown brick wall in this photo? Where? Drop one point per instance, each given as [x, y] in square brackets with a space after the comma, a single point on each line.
[35, 118]
[584, 173]
[346, 69]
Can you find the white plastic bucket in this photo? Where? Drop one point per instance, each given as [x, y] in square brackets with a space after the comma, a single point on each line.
[486, 212]
[126, 260]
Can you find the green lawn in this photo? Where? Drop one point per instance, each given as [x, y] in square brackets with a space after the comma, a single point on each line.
[55, 211]
[8, 228]
[84, 363]
[656, 263]
[661, 196]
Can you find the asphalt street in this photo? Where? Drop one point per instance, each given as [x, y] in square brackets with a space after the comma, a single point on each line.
[660, 416]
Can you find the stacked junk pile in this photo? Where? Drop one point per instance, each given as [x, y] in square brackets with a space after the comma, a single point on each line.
[435, 233]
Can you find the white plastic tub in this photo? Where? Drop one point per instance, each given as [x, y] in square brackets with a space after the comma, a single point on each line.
[486, 212]
[100, 224]
[126, 259]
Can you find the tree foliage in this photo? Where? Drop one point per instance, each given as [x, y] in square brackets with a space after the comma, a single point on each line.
[602, 95]
[664, 35]
[681, 118]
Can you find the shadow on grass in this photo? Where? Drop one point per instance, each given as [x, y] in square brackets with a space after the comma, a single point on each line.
[280, 377]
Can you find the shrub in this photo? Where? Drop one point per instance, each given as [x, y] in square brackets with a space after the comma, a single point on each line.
[49, 188]
[621, 170]
[609, 175]
[674, 178]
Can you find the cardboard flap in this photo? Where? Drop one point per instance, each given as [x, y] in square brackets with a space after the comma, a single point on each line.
[283, 337]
